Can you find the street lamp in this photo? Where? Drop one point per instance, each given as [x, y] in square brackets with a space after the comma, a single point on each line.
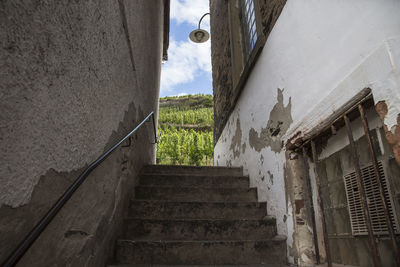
[199, 35]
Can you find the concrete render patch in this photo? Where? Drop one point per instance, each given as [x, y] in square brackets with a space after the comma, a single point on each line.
[280, 119]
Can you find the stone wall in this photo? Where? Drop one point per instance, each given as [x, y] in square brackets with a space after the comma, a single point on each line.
[75, 77]
[221, 62]
[225, 93]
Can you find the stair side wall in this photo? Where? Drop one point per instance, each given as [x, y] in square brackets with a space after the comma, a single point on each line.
[76, 76]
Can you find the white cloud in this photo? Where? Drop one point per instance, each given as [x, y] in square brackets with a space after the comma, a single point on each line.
[186, 61]
[190, 11]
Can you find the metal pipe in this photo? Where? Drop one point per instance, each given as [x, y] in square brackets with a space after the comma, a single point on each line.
[22, 247]
[154, 129]
[380, 186]
[202, 18]
[321, 205]
[375, 255]
[309, 189]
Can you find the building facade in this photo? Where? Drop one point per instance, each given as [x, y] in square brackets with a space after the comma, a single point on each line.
[76, 77]
[285, 74]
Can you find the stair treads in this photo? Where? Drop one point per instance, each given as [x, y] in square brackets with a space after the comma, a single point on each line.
[185, 180]
[158, 265]
[188, 216]
[146, 209]
[203, 170]
[213, 265]
[190, 194]
[139, 229]
[202, 252]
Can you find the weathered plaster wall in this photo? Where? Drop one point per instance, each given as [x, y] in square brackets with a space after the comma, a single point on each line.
[298, 200]
[318, 56]
[75, 77]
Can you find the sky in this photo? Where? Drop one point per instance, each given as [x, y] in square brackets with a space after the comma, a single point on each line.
[188, 69]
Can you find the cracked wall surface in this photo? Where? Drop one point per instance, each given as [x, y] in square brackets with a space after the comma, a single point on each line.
[314, 70]
[76, 77]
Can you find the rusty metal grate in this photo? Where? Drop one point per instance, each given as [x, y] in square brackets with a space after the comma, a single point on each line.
[375, 205]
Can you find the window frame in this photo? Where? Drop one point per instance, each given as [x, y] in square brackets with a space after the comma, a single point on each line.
[243, 61]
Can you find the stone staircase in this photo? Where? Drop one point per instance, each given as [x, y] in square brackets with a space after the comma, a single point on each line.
[191, 216]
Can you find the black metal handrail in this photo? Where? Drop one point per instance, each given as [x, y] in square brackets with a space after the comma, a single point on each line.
[22, 247]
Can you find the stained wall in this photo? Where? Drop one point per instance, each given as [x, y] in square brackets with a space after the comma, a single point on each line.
[75, 77]
[318, 56]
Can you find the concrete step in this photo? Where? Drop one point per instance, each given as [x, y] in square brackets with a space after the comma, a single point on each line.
[197, 210]
[203, 170]
[139, 229]
[191, 194]
[186, 180]
[158, 265]
[271, 251]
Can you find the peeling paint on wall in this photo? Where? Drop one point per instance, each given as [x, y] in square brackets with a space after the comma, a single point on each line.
[393, 134]
[271, 177]
[279, 122]
[236, 140]
[302, 247]
[358, 61]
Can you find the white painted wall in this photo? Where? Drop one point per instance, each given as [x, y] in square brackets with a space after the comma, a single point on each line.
[321, 53]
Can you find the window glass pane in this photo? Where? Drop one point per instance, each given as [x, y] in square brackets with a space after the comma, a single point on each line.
[249, 27]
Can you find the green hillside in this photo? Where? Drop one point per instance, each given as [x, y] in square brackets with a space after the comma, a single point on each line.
[186, 123]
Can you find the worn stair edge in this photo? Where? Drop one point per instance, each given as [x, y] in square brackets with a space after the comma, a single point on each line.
[159, 209]
[209, 170]
[203, 252]
[186, 180]
[200, 229]
[192, 194]
[157, 265]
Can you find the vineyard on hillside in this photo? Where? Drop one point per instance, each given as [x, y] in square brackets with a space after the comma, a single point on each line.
[186, 124]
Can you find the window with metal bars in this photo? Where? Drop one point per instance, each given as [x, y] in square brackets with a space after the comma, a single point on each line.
[375, 205]
[249, 25]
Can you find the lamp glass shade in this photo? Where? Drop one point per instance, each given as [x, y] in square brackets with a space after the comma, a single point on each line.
[199, 36]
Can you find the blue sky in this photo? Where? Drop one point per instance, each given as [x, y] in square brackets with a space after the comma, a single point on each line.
[188, 69]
